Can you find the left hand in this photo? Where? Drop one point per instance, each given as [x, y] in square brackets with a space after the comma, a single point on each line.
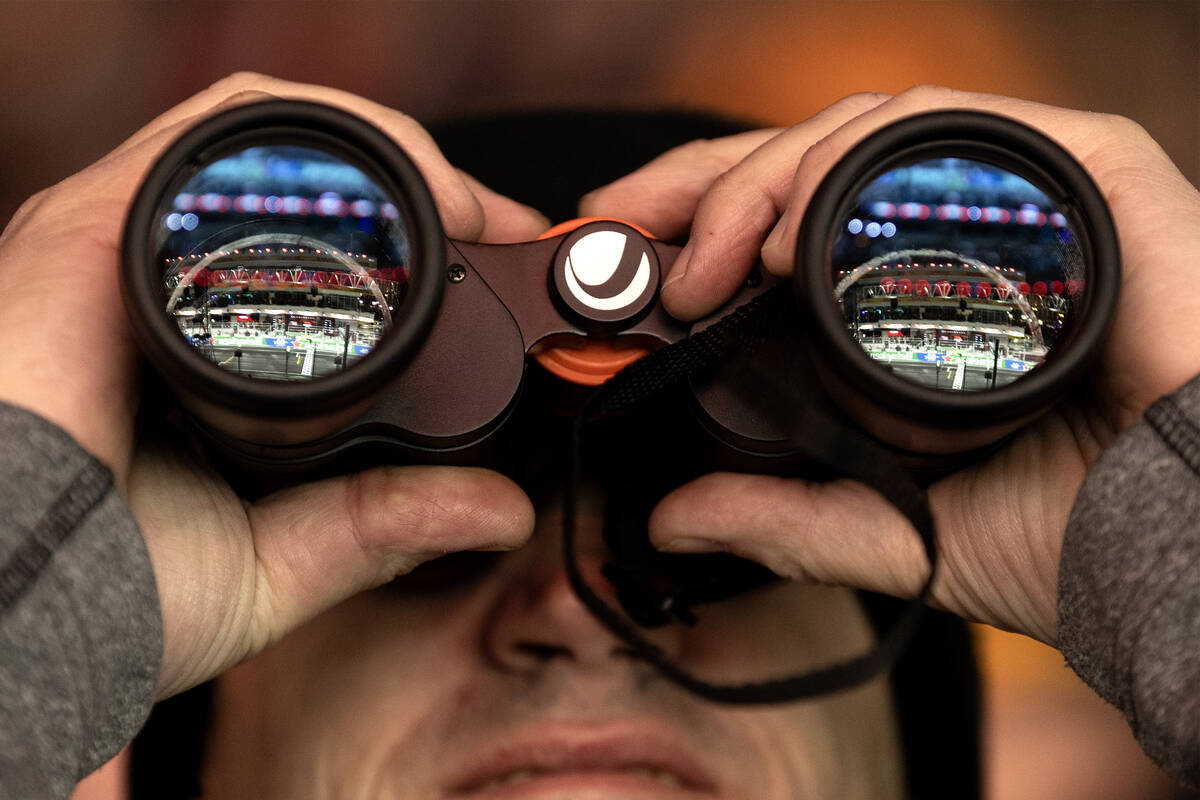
[1000, 523]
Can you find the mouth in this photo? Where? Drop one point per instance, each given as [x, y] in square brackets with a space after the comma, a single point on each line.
[573, 761]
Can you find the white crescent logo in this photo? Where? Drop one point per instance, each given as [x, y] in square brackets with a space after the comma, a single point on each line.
[593, 260]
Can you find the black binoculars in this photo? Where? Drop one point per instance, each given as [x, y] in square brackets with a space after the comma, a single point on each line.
[286, 273]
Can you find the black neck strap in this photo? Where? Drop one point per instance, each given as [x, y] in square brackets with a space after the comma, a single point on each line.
[834, 446]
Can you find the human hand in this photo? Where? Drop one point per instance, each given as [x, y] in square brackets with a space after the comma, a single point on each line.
[231, 577]
[1000, 523]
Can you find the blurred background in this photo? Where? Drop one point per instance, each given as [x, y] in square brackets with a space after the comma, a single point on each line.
[78, 77]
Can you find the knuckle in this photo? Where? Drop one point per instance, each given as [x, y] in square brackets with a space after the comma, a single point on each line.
[728, 184]
[697, 151]
[819, 154]
[861, 100]
[30, 207]
[734, 185]
[1122, 155]
[29, 212]
[1123, 127]
[734, 194]
[366, 505]
[243, 97]
[930, 95]
[391, 513]
[239, 82]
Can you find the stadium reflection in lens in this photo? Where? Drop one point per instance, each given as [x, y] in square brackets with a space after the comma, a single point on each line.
[956, 274]
[281, 262]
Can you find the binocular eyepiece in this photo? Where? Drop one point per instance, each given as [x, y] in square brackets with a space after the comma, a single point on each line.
[286, 273]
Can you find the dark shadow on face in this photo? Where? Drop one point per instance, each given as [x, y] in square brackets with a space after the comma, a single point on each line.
[485, 675]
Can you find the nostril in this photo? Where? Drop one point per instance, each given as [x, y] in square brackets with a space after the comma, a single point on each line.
[543, 652]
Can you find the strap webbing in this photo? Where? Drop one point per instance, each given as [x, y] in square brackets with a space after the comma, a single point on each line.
[830, 444]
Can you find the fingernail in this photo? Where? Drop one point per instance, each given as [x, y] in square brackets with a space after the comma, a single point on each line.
[499, 547]
[679, 268]
[689, 545]
[774, 241]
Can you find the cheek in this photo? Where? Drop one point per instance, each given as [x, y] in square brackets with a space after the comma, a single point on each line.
[326, 707]
[785, 628]
[866, 743]
[845, 746]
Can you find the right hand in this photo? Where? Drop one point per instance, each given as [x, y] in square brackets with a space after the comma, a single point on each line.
[232, 577]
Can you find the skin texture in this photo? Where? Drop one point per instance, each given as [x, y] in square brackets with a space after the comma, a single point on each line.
[397, 691]
[394, 693]
[384, 693]
[232, 577]
[999, 523]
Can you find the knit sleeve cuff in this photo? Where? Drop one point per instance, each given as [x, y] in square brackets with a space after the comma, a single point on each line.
[1129, 581]
[80, 625]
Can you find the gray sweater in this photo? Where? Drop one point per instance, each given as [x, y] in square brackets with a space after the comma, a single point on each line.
[80, 628]
[1129, 581]
[81, 631]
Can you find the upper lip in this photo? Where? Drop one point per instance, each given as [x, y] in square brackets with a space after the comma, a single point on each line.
[562, 749]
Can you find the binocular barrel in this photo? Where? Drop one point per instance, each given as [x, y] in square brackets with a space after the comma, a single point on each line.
[286, 273]
[959, 272]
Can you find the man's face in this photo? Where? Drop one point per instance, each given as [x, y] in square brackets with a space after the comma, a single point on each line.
[499, 685]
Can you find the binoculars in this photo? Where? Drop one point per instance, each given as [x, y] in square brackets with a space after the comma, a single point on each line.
[286, 273]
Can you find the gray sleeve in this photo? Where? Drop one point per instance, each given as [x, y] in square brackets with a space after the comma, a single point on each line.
[1129, 581]
[80, 627]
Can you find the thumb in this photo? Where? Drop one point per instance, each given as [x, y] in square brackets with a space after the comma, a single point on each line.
[234, 578]
[839, 533]
[318, 544]
[505, 220]
[845, 534]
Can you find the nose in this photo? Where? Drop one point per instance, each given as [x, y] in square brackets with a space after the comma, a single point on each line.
[540, 620]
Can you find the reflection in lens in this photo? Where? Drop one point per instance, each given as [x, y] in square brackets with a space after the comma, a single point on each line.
[281, 262]
[956, 274]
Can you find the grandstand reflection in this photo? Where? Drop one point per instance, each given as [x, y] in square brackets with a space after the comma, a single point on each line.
[956, 274]
[284, 311]
[282, 262]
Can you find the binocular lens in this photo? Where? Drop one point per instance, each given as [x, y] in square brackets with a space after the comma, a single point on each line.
[281, 262]
[959, 271]
[957, 274]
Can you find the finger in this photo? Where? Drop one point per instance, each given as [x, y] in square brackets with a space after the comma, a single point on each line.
[740, 208]
[318, 544]
[461, 213]
[504, 219]
[662, 195]
[846, 534]
[839, 533]
[778, 252]
[67, 236]
[115, 177]
[194, 109]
